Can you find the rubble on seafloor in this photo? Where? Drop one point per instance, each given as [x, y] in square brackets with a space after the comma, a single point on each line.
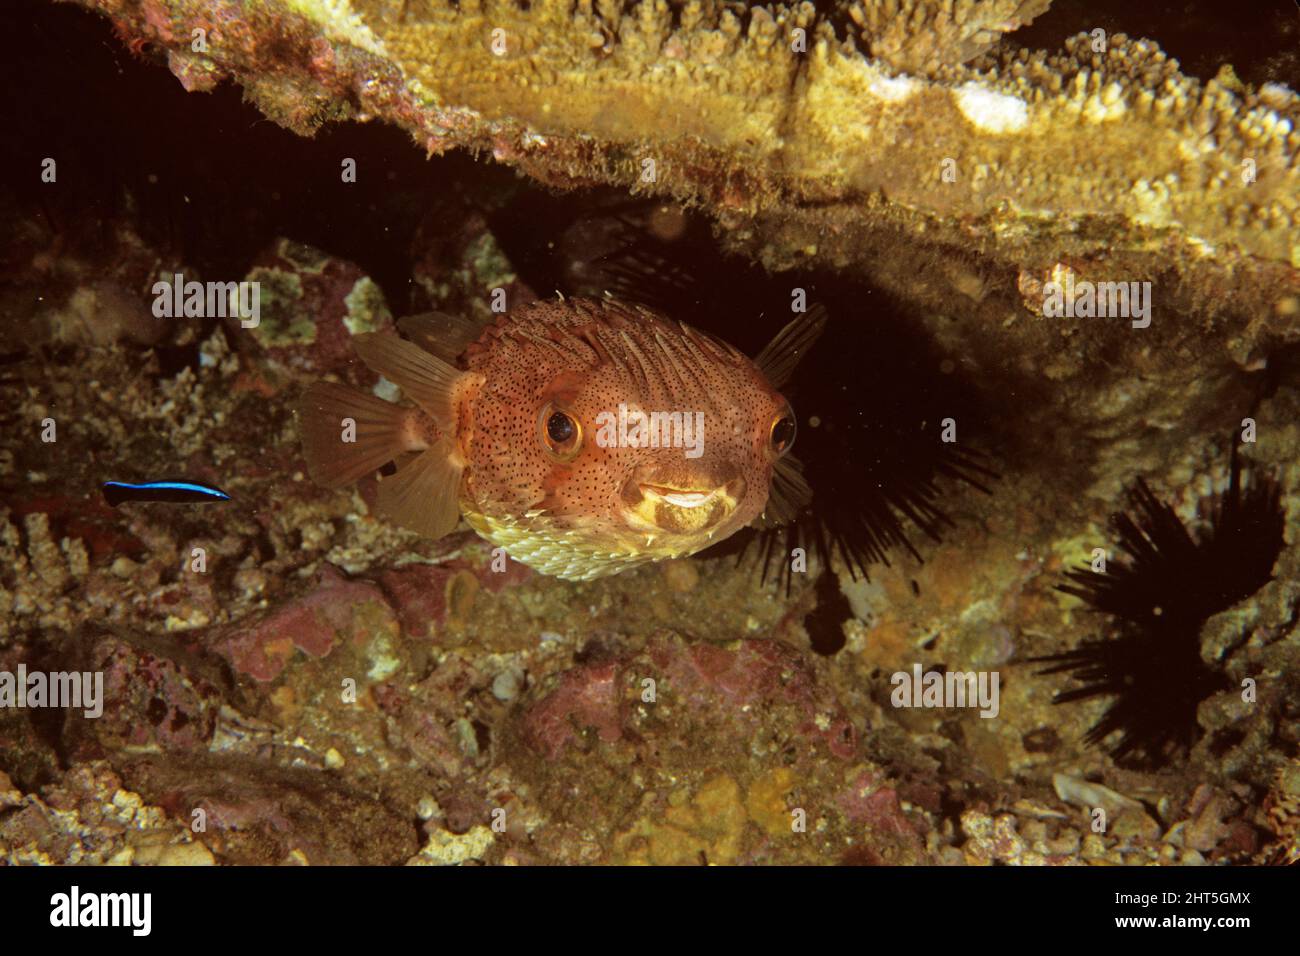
[324, 660]
[329, 689]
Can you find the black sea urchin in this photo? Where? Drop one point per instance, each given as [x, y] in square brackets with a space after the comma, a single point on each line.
[873, 405]
[1158, 599]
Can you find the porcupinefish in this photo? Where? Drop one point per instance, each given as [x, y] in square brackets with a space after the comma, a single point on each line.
[584, 437]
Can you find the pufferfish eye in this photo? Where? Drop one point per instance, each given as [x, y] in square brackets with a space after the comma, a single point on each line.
[783, 432]
[561, 432]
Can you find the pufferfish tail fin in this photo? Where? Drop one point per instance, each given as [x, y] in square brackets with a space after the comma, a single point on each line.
[778, 359]
[347, 434]
[424, 494]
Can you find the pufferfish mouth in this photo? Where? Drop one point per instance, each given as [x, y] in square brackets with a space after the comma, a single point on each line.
[683, 511]
[681, 498]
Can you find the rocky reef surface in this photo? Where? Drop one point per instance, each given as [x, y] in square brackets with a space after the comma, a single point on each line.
[288, 680]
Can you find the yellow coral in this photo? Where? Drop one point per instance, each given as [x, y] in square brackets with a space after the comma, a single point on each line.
[774, 119]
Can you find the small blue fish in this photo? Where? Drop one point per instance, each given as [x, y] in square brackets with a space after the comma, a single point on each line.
[183, 492]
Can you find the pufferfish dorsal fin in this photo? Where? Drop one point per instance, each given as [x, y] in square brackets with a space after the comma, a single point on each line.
[440, 334]
[426, 379]
[789, 494]
[779, 358]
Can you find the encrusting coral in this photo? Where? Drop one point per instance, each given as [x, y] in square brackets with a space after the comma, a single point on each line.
[918, 36]
[806, 149]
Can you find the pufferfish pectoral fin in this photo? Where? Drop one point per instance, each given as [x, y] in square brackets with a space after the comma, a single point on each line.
[348, 434]
[789, 494]
[780, 356]
[424, 495]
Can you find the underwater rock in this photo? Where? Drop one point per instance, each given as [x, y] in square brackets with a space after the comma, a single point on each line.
[736, 753]
[84, 290]
[429, 596]
[337, 613]
[151, 703]
[587, 699]
[311, 304]
[88, 817]
[256, 813]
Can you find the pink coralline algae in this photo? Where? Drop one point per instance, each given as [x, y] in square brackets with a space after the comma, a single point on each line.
[588, 697]
[758, 672]
[739, 682]
[152, 701]
[419, 592]
[314, 624]
[867, 802]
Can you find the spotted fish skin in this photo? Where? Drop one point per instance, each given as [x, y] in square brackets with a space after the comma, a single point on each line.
[593, 516]
[593, 504]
